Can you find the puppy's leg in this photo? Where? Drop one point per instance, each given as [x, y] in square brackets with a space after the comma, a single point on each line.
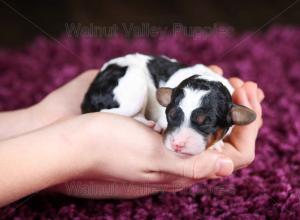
[119, 90]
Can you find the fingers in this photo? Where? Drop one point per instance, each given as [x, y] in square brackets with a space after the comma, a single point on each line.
[216, 69]
[252, 91]
[236, 82]
[205, 165]
[239, 159]
[260, 95]
[243, 137]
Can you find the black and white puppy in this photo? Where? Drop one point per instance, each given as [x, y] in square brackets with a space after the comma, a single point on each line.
[192, 105]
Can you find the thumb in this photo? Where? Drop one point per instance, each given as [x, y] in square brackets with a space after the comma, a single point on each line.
[208, 164]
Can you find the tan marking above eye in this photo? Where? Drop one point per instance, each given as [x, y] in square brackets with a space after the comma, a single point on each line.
[200, 119]
[172, 112]
[215, 137]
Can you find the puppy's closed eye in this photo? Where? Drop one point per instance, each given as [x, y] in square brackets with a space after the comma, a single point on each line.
[200, 119]
[175, 116]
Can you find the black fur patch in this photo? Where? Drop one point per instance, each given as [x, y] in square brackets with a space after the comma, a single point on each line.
[100, 93]
[161, 69]
[175, 121]
[214, 108]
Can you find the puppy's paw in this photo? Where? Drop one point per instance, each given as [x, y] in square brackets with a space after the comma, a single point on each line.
[157, 128]
[218, 146]
[149, 123]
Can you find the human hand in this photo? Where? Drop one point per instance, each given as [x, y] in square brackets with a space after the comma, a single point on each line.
[129, 160]
[65, 101]
[240, 147]
[108, 139]
[60, 104]
[77, 148]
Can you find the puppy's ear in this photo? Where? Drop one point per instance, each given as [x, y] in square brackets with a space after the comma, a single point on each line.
[241, 115]
[163, 96]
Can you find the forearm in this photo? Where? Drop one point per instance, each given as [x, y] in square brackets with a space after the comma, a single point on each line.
[33, 162]
[14, 123]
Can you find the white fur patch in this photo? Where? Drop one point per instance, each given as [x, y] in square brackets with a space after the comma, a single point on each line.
[132, 89]
[193, 142]
[209, 75]
[134, 60]
[192, 100]
[198, 69]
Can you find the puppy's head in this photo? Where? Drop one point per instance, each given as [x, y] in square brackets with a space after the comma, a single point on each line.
[199, 113]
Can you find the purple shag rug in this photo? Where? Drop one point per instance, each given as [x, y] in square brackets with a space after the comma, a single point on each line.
[268, 189]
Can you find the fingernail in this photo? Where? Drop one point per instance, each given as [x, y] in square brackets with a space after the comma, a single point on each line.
[224, 167]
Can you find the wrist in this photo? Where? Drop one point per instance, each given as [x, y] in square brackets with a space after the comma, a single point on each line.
[43, 160]
[18, 122]
[35, 119]
[73, 138]
[76, 144]
[89, 155]
[41, 115]
[73, 148]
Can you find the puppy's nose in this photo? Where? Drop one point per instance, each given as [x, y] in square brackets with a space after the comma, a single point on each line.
[178, 145]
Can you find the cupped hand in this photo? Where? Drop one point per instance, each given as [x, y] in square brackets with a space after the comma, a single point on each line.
[240, 145]
[153, 169]
[65, 101]
[120, 150]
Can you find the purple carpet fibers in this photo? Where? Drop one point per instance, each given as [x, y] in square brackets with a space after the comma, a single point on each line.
[268, 189]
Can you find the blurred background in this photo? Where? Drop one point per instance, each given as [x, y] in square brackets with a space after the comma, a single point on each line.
[21, 20]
